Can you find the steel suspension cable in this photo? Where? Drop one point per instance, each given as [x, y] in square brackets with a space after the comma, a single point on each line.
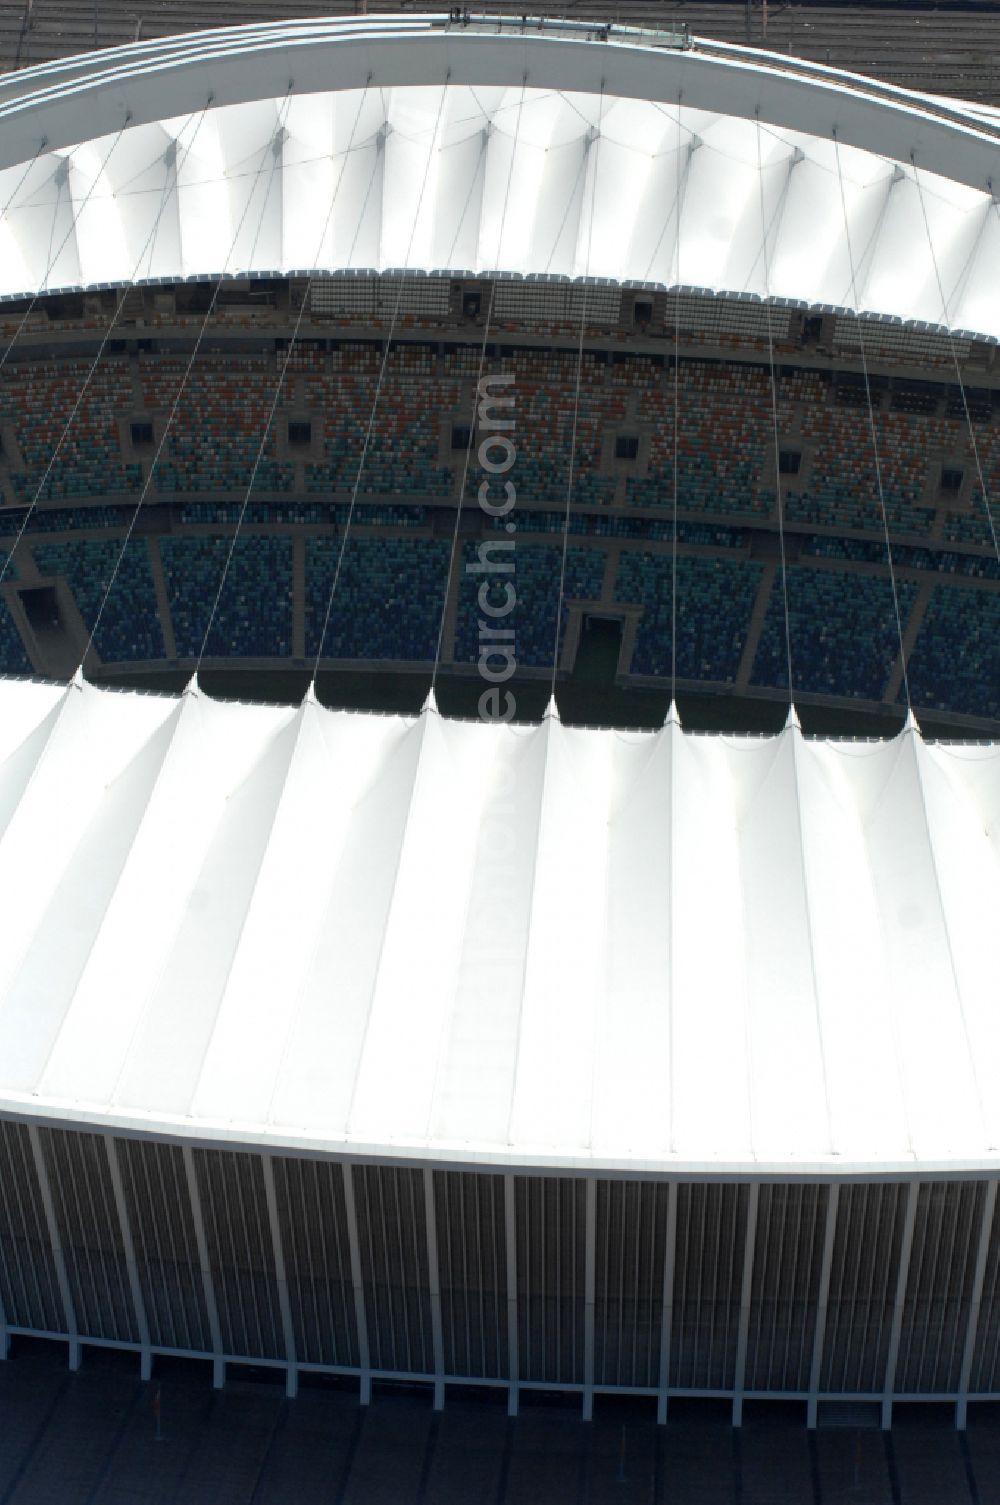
[774, 421]
[677, 404]
[379, 383]
[990, 519]
[475, 393]
[576, 403]
[873, 428]
[191, 360]
[283, 365]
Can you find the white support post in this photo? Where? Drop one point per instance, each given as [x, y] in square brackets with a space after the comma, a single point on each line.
[434, 1282]
[58, 1257]
[822, 1299]
[510, 1231]
[746, 1287]
[975, 1304]
[131, 1265]
[589, 1285]
[281, 1278]
[667, 1317]
[357, 1280]
[4, 1334]
[895, 1332]
[208, 1285]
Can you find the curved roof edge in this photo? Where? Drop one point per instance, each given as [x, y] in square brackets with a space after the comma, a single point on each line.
[63, 104]
[456, 1157]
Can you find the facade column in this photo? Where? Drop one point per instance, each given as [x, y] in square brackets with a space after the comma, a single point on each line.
[510, 1232]
[975, 1304]
[281, 1276]
[895, 1332]
[434, 1281]
[667, 1317]
[357, 1280]
[589, 1284]
[822, 1298]
[131, 1265]
[208, 1284]
[746, 1287]
[58, 1257]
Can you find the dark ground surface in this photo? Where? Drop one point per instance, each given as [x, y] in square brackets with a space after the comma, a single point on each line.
[89, 1439]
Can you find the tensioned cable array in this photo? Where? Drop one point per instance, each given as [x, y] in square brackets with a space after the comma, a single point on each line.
[55, 255]
[774, 420]
[53, 258]
[990, 520]
[378, 386]
[192, 358]
[8, 206]
[873, 427]
[475, 393]
[283, 366]
[112, 324]
[974, 1060]
[576, 404]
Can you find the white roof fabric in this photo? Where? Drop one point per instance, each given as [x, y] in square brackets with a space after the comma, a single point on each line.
[378, 144]
[510, 945]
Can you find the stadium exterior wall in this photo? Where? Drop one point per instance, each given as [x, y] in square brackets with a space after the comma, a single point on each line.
[821, 1292]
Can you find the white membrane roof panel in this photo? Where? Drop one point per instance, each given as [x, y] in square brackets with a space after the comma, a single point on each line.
[398, 143]
[523, 945]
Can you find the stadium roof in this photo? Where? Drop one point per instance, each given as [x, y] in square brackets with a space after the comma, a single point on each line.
[412, 142]
[498, 944]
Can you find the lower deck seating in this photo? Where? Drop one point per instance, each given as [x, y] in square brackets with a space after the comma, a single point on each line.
[843, 632]
[535, 581]
[387, 601]
[715, 599]
[129, 627]
[955, 663]
[254, 614]
[389, 597]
